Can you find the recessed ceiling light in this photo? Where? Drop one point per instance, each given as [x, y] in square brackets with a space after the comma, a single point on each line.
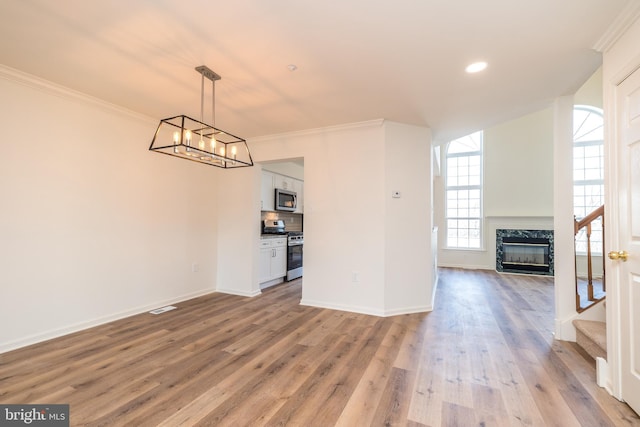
[476, 67]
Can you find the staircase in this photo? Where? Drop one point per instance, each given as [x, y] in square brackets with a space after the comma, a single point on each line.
[592, 337]
[590, 290]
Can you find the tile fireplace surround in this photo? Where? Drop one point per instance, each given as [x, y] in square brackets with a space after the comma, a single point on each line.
[524, 251]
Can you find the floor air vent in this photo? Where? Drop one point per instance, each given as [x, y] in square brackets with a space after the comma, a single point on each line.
[162, 309]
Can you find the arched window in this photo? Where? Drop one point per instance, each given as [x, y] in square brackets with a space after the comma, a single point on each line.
[463, 181]
[588, 171]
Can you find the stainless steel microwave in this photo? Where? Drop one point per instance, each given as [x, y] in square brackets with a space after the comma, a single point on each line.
[286, 200]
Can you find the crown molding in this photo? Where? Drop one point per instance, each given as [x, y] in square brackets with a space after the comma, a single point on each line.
[38, 83]
[316, 131]
[619, 26]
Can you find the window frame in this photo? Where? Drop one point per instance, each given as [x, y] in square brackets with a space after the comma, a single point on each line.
[585, 183]
[465, 187]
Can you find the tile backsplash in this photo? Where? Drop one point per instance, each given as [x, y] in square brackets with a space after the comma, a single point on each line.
[292, 221]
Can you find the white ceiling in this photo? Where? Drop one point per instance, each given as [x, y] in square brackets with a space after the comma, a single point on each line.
[357, 60]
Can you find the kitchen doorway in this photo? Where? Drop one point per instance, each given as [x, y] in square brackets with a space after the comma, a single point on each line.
[282, 217]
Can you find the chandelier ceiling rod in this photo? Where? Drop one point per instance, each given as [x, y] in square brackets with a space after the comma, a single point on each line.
[213, 76]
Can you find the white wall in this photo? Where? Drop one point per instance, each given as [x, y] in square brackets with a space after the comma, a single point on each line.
[347, 254]
[288, 168]
[591, 92]
[408, 269]
[238, 200]
[518, 175]
[582, 266]
[518, 186]
[565, 296]
[93, 225]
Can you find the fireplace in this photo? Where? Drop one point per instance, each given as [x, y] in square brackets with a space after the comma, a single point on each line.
[524, 251]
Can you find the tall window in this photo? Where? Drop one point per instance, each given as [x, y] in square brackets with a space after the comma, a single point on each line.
[588, 171]
[464, 192]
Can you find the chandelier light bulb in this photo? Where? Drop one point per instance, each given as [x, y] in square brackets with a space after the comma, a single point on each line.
[176, 142]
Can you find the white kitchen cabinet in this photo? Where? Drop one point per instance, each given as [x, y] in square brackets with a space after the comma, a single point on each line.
[271, 181]
[267, 196]
[285, 182]
[273, 258]
[266, 253]
[298, 187]
[279, 261]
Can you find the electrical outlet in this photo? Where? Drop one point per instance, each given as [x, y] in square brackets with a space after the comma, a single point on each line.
[195, 267]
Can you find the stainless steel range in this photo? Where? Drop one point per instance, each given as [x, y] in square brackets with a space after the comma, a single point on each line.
[295, 241]
[273, 226]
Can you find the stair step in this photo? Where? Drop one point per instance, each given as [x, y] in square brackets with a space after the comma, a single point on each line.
[592, 337]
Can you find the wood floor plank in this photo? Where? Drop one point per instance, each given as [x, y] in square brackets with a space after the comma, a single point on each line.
[582, 368]
[521, 406]
[485, 357]
[427, 395]
[393, 408]
[412, 340]
[573, 392]
[549, 400]
[255, 401]
[489, 407]
[328, 392]
[361, 406]
[454, 415]
[458, 377]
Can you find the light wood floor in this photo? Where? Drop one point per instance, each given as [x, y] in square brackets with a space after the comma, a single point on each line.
[484, 357]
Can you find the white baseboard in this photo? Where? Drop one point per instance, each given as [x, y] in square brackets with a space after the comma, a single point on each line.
[564, 329]
[77, 327]
[467, 266]
[270, 283]
[342, 307]
[240, 293]
[602, 374]
[408, 310]
[366, 310]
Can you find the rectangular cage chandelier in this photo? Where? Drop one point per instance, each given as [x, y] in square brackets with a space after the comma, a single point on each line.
[191, 139]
